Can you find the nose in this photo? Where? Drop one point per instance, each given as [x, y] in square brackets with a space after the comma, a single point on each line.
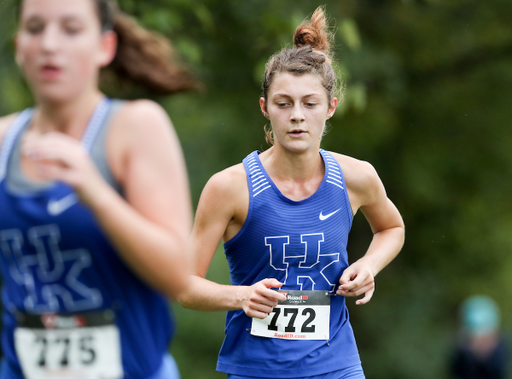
[50, 38]
[297, 114]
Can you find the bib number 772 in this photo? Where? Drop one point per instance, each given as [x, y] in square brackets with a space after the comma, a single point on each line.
[304, 315]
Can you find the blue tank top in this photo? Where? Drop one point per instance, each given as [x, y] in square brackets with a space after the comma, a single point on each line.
[56, 259]
[303, 245]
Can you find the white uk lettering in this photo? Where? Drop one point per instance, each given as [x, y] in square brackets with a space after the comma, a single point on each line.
[298, 266]
[56, 271]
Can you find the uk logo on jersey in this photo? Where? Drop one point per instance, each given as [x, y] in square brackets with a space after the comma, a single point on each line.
[50, 275]
[305, 271]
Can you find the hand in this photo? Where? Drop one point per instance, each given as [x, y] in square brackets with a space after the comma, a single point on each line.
[356, 280]
[59, 157]
[258, 300]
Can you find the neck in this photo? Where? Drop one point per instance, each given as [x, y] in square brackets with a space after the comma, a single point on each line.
[298, 167]
[70, 117]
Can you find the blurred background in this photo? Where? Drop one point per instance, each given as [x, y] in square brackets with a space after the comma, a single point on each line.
[428, 102]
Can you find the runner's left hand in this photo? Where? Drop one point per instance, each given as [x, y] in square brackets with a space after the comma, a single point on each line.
[357, 279]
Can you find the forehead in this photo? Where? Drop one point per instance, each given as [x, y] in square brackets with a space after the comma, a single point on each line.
[297, 85]
[56, 9]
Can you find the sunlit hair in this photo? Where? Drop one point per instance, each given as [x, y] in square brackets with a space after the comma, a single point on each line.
[309, 55]
[143, 57]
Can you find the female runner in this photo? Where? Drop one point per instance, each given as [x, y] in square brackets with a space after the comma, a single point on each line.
[95, 211]
[284, 216]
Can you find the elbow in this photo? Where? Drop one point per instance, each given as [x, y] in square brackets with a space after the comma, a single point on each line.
[185, 299]
[177, 277]
[402, 232]
[190, 297]
[400, 236]
[177, 288]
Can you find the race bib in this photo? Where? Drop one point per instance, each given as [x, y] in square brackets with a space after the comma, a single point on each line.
[51, 346]
[304, 315]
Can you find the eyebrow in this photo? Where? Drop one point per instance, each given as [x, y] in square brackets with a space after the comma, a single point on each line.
[287, 95]
[65, 18]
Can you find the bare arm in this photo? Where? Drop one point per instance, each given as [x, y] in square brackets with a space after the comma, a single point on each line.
[367, 193]
[221, 212]
[150, 228]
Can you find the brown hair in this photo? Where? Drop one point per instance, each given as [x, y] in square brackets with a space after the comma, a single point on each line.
[309, 55]
[143, 57]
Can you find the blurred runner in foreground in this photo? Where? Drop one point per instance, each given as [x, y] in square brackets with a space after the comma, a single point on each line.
[95, 211]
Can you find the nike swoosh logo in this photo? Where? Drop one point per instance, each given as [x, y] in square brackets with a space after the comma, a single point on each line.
[56, 207]
[322, 217]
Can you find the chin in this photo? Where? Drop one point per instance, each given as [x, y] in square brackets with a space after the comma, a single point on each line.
[54, 94]
[298, 148]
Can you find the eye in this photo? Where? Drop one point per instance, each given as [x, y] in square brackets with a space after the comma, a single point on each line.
[34, 27]
[282, 105]
[311, 105]
[72, 28]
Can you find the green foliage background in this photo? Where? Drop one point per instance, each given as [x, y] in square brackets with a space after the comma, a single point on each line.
[427, 102]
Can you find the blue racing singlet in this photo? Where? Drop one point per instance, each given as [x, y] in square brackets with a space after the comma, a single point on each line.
[58, 267]
[303, 245]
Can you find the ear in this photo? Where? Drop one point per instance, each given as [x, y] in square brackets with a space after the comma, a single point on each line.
[263, 107]
[108, 48]
[332, 107]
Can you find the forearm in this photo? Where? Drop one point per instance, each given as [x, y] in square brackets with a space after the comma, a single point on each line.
[384, 247]
[205, 295]
[157, 255]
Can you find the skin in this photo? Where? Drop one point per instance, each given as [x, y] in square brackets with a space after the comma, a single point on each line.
[60, 48]
[298, 107]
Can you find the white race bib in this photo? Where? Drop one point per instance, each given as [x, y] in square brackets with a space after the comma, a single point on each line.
[304, 315]
[51, 346]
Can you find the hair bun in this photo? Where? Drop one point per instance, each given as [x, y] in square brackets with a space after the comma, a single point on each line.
[314, 32]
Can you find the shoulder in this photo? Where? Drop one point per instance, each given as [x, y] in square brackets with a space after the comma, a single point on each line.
[139, 127]
[356, 172]
[228, 183]
[362, 180]
[142, 116]
[224, 197]
[5, 122]
[141, 136]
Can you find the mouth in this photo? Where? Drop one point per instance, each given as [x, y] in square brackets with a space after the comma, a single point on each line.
[297, 133]
[50, 72]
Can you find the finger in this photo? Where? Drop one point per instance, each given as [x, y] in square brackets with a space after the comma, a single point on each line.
[367, 297]
[354, 283]
[358, 291]
[43, 153]
[48, 171]
[347, 275]
[256, 314]
[265, 299]
[272, 283]
[52, 147]
[269, 296]
[260, 307]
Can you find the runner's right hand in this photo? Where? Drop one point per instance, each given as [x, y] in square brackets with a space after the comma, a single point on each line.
[258, 300]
